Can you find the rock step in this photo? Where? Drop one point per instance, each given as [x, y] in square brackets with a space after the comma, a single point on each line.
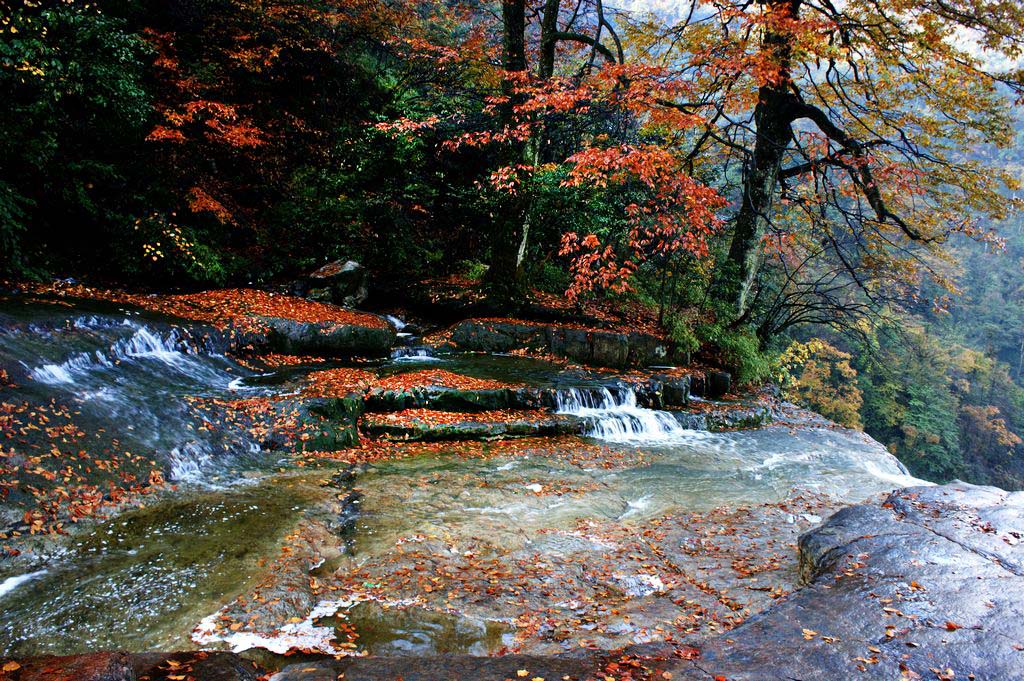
[595, 347]
[719, 416]
[658, 392]
[223, 666]
[308, 423]
[433, 425]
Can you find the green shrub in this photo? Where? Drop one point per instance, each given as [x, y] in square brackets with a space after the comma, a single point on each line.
[740, 350]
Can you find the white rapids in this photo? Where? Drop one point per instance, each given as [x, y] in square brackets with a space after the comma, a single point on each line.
[612, 414]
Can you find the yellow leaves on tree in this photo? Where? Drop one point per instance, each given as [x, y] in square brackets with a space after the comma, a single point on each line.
[819, 376]
[989, 423]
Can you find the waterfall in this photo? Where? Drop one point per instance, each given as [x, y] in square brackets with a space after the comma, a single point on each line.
[414, 354]
[395, 321]
[613, 415]
[12, 583]
[133, 383]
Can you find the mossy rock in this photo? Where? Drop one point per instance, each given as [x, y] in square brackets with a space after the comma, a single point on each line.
[416, 430]
[596, 347]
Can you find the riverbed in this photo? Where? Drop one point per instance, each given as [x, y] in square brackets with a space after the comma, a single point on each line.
[638, 528]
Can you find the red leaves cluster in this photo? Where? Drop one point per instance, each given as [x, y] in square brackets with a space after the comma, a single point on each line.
[431, 418]
[439, 378]
[220, 122]
[342, 381]
[220, 307]
[338, 382]
[48, 472]
[679, 215]
[275, 360]
[200, 201]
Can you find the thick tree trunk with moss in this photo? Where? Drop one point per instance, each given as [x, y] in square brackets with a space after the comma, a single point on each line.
[774, 133]
[773, 119]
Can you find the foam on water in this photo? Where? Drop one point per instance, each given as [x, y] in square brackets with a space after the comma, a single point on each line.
[414, 354]
[303, 635]
[12, 583]
[136, 377]
[188, 460]
[143, 344]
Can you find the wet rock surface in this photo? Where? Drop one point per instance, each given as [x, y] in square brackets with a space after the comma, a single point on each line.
[454, 399]
[719, 416]
[318, 338]
[925, 584]
[91, 667]
[580, 666]
[120, 666]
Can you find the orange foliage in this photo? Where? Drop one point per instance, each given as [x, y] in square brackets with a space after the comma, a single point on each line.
[679, 215]
[439, 378]
[199, 201]
[338, 382]
[220, 307]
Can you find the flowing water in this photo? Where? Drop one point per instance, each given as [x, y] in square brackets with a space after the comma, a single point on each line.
[129, 379]
[612, 415]
[145, 578]
[140, 580]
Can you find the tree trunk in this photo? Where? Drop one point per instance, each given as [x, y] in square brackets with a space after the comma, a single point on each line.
[505, 274]
[773, 120]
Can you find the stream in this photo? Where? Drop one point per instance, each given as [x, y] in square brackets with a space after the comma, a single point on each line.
[545, 514]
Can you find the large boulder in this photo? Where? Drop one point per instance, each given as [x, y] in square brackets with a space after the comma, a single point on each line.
[364, 335]
[342, 283]
[925, 584]
[328, 338]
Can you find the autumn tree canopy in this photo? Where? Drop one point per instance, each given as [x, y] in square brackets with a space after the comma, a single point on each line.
[746, 168]
[756, 176]
[846, 135]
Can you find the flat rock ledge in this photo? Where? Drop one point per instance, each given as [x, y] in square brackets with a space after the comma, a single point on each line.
[373, 338]
[927, 583]
[597, 347]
